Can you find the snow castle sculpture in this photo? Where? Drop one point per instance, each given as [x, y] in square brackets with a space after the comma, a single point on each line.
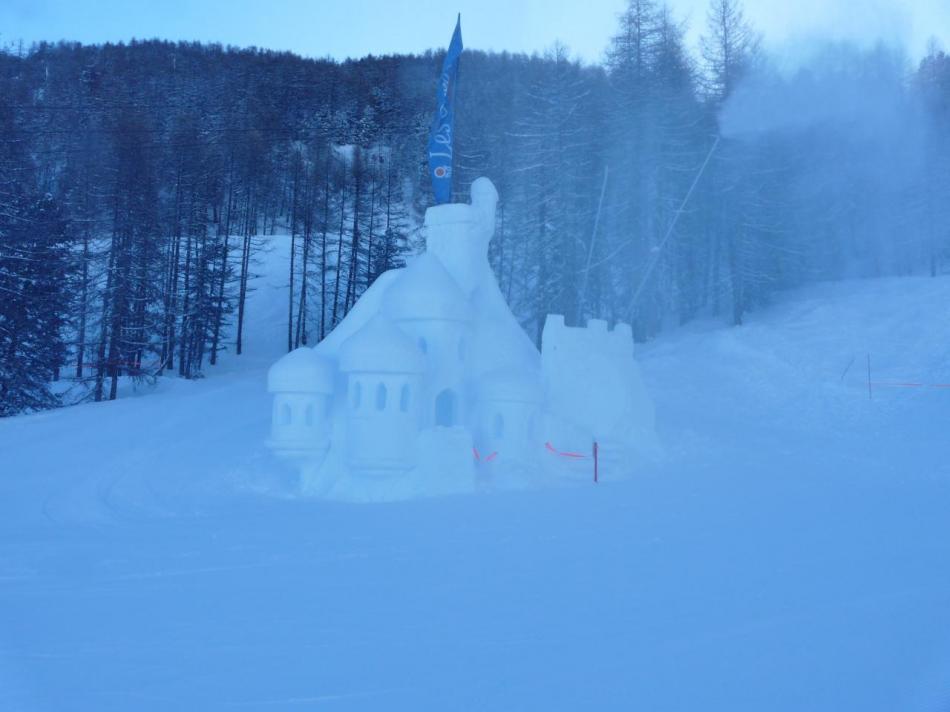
[430, 386]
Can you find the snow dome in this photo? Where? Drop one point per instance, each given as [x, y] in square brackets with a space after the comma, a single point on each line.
[429, 385]
[379, 347]
[301, 371]
[424, 290]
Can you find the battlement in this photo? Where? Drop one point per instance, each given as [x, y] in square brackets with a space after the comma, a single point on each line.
[589, 374]
[595, 337]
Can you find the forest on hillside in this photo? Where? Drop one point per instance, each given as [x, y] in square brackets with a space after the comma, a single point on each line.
[139, 181]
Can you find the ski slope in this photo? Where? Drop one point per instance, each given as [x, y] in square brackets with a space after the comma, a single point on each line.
[791, 551]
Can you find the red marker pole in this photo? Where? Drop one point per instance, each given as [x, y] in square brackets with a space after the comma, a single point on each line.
[595, 462]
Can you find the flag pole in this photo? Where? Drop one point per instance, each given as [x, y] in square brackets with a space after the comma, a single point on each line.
[442, 132]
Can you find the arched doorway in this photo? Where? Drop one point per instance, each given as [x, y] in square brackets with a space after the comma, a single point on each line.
[446, 408]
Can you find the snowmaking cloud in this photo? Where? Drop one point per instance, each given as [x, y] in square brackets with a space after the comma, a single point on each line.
[859, 90]
[792, 32]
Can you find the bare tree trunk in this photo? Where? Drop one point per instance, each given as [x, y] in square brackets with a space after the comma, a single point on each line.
[119, 304]
[354, 240]
[301, 337]
[735, 279]
[323, 248]
[106, 316]
[83, 303]
[140, 311]
[369, 237]
[168, 347]
[293, 254]
[249, 217]
[186, 316]
[339, 251]
[199, 329]
[219, 313]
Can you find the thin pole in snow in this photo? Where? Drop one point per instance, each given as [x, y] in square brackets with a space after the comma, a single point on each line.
[870, 392]
[847, 368]
[595, 461]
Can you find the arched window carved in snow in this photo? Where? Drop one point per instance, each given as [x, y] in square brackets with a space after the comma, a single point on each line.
[404, 398]
[381, 396]
[308, 415]
[446, 407]
[357, 395]
[286, 415]
[498, 426]
[423, 345]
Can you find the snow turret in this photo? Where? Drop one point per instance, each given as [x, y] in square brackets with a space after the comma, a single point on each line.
[484, 199]
[592, 382]
[459, 234]
[509, 404]
[427, 304]
[302, 384]
[383, 368]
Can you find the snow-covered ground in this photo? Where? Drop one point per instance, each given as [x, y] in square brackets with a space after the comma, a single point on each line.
[790, 552]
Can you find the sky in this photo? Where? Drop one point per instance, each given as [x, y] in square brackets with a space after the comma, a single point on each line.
[354, 28]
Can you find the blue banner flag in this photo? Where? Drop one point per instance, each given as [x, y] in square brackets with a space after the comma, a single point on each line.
[440, 136]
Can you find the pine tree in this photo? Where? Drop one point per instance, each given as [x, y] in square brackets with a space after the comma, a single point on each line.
[933, 85]
[729, 49]
[35, 270]
[557, 162]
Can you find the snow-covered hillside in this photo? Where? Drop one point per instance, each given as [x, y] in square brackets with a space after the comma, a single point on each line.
[790, 551]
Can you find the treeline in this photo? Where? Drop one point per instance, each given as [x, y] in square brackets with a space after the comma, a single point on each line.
[139, 182]
[164, 167]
